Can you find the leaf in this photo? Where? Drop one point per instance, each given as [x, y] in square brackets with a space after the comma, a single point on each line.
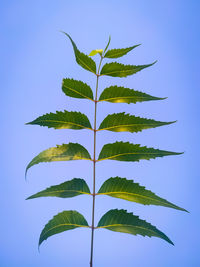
[64, 152]
[67, 189]
[131, 152]
[116, 53]
[128, 190]
[96, 51]
[124, 222]
[107, 44]
[77, 89]
[63, 221]
[83, 60]
[115, 69]
[121, 122]
[63, 120]
[115, 94]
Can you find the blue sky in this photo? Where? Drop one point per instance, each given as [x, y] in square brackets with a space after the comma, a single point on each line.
[35, 57]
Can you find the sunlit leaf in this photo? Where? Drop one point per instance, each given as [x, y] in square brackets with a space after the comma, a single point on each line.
[131, 152]
[83, 60]
[124, 222]
[115, 69]
[77, 89]
[121, 122]
[116, 53]
[128, 190]
[63, 221]
[115, 94]
[65, 152]
[67, 189]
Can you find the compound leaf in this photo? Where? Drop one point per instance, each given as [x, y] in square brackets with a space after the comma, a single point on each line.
[115, 69]
[64, 152]
[67, 189]
[77, 89]
[115, 94]
[128, 190]
[64, 120]
[63, 221]
[124, 222]
[121, 122]
[116, 53]
[83, 60]
[131, 152]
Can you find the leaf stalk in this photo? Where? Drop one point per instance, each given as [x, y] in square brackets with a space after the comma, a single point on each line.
[94, 164]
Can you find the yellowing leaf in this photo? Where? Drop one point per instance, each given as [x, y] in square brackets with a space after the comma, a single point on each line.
[96, 51]
[65, 152]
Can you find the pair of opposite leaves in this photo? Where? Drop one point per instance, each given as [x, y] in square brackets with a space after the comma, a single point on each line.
[124, 222]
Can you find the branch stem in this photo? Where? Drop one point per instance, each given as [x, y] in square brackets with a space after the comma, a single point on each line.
[94, 166]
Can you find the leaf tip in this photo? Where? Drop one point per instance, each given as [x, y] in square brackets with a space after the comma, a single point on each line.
[39, 247]
[26, 174]
[185, 210]
[62, 32]
[171, 122]
[170, 242]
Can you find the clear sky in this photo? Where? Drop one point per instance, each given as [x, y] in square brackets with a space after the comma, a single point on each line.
[35, 57]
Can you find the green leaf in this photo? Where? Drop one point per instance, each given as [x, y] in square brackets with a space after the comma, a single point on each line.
[124, 222]
[116, 53]
[67, 189]
[121, 122]
[131, 152]
[63, 221]
[115, 94]
[64, 120]
[115, 69]
[83, 60]
[64, 152]
[128, 190]
[107, 44]
[96, 51]
[77, 89]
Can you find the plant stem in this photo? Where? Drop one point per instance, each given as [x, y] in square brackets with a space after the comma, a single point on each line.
[94, 166]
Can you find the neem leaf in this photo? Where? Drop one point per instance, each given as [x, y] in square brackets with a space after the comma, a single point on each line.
[67, 189]
[64, 152]
[63, 120]
[121, 122]
[107, 44]
[115, 69]
[83, 60]
[116, 53]
[124, 222]
[96, 51]
[128, 190]
[131, 152]
[116, 94]
[63, 221]
[77, 89]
